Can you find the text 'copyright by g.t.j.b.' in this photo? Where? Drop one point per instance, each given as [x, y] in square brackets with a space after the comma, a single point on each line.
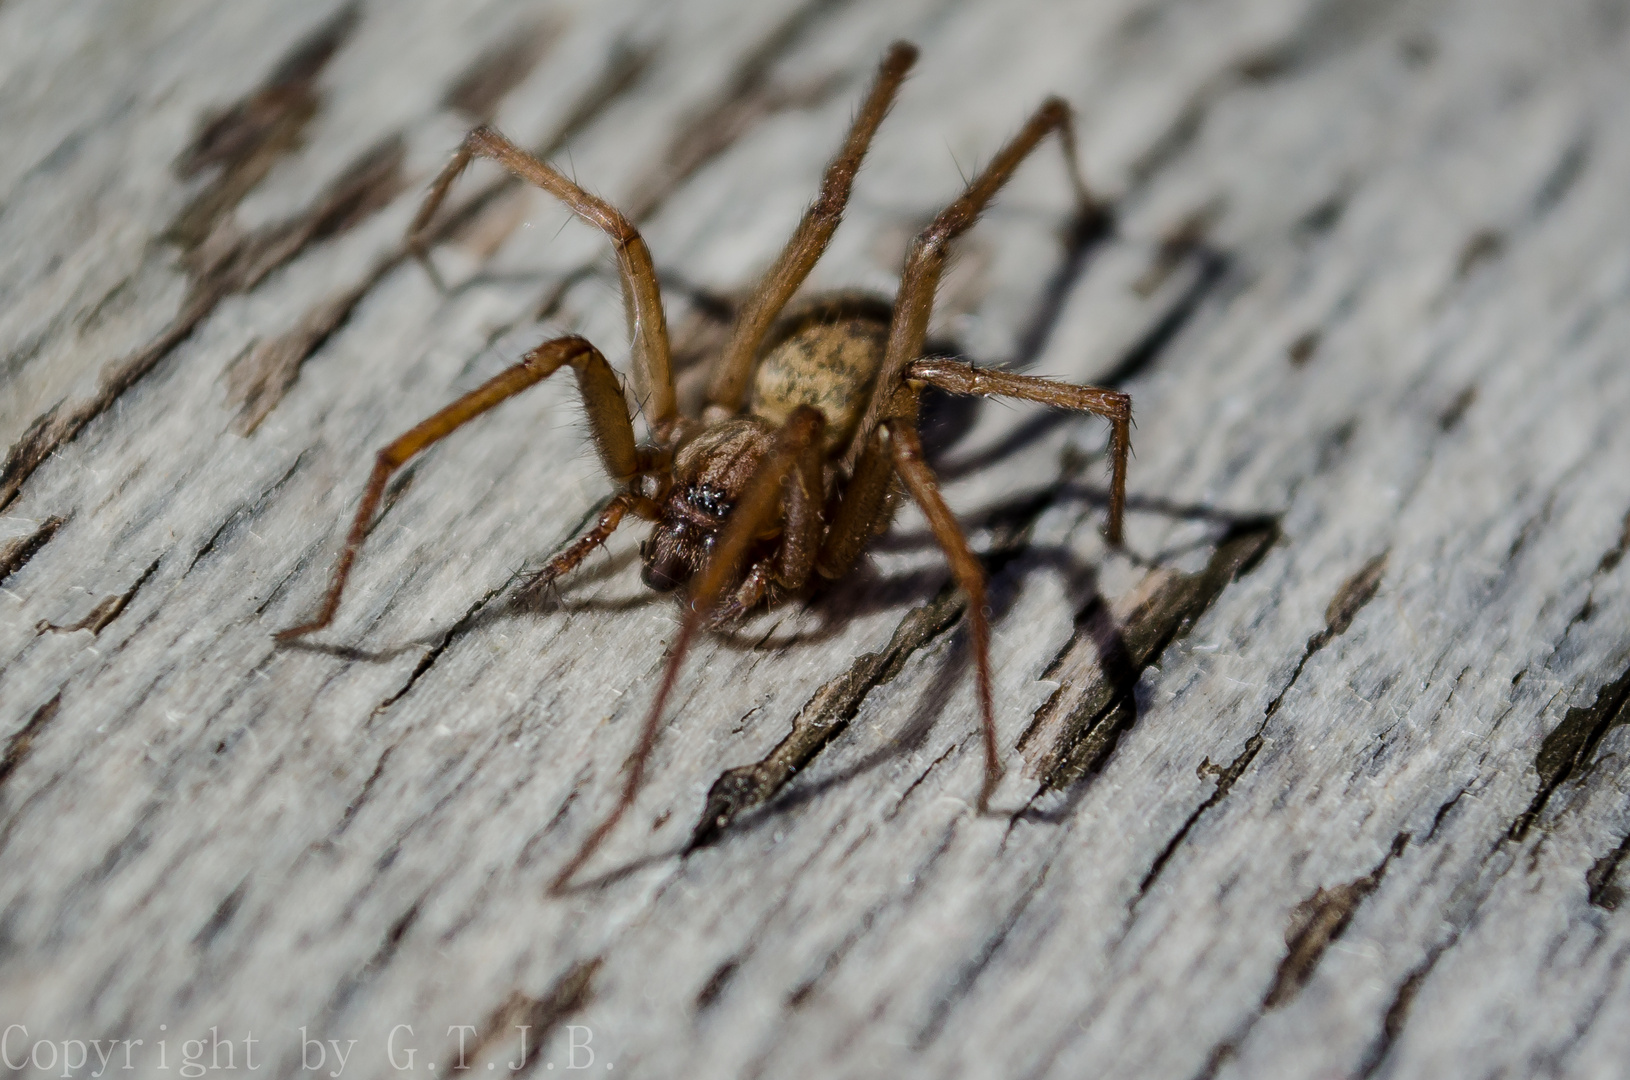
[459, 1051]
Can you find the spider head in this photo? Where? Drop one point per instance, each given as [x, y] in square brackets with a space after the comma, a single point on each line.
[709, 475]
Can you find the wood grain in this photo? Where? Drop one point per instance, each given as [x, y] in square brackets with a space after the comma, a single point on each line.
[1323, 776]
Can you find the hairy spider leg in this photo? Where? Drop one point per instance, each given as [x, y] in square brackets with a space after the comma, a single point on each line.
[608, 422]
[610, 517]
[887, 443]
[958, 378]
[642, 298]
[906, 450]
[914, 301]
[808, 242]
[799, 441]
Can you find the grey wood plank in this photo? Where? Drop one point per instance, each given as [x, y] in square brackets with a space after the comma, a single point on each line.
[1323, 775]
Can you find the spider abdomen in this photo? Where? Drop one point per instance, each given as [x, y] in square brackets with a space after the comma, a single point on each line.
[829, 359]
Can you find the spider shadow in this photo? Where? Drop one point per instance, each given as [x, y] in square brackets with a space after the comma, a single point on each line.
[1093, 620]
[952, 670]
[822, 614]
[621, 872]
[357, 655]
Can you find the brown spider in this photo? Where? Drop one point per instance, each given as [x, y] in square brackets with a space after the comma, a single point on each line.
[766, 492]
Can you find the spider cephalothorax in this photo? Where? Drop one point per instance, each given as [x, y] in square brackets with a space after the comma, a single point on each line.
[810, 430]
[823, 357]
[710, 472]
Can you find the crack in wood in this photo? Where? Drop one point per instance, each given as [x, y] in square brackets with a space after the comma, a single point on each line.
[1318, 921]
[1324, 216]
[352, 807]
[135, 841]
[1602, 889]
[964, 981]
[228, 264]
[1442, 814]
[260, 380]
[108, 609]
[221, 916]
[22, 741]
[716, 983]
[1570, 748]
[1227, 776]
[1398, 1010]
[1483, 246]
[1349, 600]
[1587, 610]
[500, 68]
[1450, 418]
[1315, 924]
[1073, 733]
[351, 984]
[244, 140]
[435, 652]
[1462, 913]
[1397, 1014]
[1302, 350]
[1561, 180]
[15, 553]
[245, 512]
[1612, 557]
[900, 803]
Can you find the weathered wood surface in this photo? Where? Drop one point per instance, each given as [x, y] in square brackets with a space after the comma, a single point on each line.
[1326, 778]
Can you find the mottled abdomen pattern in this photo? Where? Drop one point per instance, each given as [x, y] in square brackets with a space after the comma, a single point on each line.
[827, 362]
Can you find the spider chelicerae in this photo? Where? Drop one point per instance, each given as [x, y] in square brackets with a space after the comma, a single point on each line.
[810, 426]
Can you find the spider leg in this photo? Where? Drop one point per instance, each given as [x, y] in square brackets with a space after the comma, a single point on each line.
[756, 509]
[915, 300]
[611, 517]
[808, 242]
[862, 512]
[960, 378]
[608, 421]
[642, 298]
[755, 585]
[804, 512]
[907, 452]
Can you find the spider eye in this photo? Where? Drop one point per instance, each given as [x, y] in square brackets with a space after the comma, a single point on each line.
[714, 502]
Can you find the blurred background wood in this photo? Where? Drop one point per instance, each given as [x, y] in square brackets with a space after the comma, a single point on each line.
[1324, 776]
